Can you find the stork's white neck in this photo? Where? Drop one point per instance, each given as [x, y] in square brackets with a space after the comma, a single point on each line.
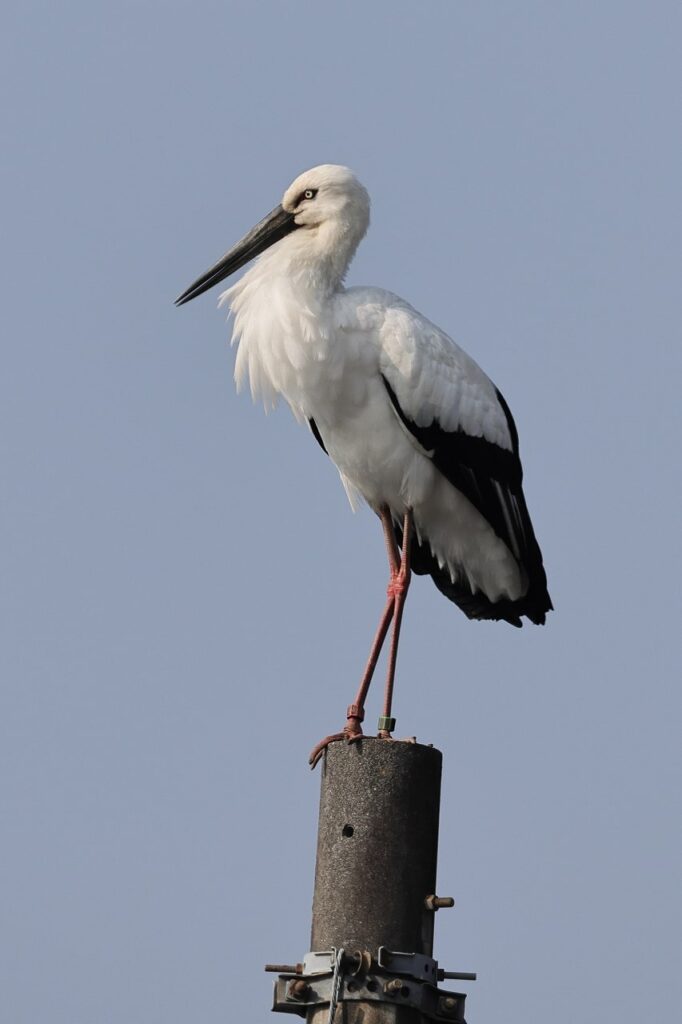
[282, 317]
[314, 258]
[283, 311]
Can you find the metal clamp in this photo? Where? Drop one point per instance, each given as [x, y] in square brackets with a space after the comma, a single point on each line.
[318, 963]
[414, 965]
[296, 995]
[405, 979]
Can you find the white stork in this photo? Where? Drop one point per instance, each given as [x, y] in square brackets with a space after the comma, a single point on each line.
[413, 424]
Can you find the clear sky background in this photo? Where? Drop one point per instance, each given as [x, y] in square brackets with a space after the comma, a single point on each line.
[187, 600]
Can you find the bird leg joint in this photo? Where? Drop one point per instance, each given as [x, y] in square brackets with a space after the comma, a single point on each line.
[399, 583]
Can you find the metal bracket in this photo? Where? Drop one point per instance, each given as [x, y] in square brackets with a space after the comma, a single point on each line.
[415, 965]
[319, 963]
[401, 979]
[295, 995]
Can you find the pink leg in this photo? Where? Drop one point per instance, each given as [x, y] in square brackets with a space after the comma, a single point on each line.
[400, 584]
[356, 711]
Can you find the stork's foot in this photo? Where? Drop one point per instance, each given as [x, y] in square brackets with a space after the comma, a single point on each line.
[351, 733]
[318, 750]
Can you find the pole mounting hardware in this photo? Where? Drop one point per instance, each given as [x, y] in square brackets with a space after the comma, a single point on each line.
[439, 902]
[329, 977]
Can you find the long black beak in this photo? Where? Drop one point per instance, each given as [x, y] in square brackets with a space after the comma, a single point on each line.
[271, 229]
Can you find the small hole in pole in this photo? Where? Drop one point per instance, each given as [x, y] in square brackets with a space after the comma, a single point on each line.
[347, 831]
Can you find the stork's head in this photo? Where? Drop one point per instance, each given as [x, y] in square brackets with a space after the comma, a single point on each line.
[326, 213]
[328, 196]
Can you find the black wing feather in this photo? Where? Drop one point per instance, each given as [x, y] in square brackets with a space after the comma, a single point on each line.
[490, 477]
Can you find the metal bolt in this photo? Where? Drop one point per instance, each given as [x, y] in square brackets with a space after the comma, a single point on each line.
[298, 989]
[361, 961]
[447, 1005]
[438, 902]
[393, 987]
[284, 968]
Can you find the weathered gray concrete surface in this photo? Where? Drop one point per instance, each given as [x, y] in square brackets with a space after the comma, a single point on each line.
[377, 847]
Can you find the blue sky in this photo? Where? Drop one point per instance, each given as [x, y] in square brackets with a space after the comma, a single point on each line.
[187, 600]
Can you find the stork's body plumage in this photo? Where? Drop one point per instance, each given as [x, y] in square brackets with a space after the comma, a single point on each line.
[413, 424]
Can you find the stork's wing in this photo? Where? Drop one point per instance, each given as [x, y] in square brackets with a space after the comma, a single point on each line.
[462, 422]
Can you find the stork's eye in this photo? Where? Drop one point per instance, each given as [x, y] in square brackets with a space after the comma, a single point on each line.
[309, 193]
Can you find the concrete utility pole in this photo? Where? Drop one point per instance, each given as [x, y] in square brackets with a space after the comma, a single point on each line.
[371, 959]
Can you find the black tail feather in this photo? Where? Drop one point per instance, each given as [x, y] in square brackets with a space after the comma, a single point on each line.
[533, 605]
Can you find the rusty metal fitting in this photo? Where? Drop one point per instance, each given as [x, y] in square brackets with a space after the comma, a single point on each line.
[395, 987]
[361, 960]
[298, 989]
[438, 902]
[355, 711]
